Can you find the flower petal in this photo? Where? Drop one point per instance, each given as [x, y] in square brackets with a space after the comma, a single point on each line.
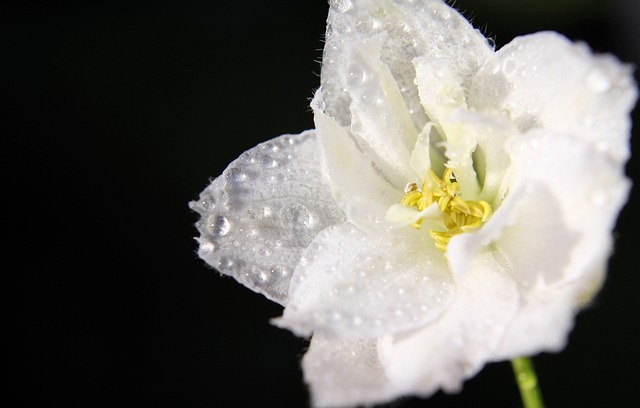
[401, 216]
[589, 189]
[544, 80]
[458, 344]
[542, 323]
[344, 372]
[350, 284]
[421, 154]
[414, 28]
[265, 208]
[487, 135]
[554, 210]
[473, 141]
[356, 184]
[381, 122]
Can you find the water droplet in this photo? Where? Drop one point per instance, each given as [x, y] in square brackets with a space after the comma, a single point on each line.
[206, 247]
[219, 225]
[598, 198]
[534, 143]
[268, 161]
[357, 74]
[296, 216]
[602, 146]
[509, 66]
[280, 271]
[341, 6]
[207, 202]
[235, 175]
[494, 68]
[443, 14]
[261, 277]
[225, 264]
[598, 82]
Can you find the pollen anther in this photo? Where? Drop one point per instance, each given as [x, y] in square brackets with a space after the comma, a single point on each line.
[458, 215]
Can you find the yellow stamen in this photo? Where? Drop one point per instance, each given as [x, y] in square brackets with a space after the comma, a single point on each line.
[458, 215]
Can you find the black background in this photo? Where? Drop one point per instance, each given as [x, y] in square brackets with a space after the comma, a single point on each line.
[119, 113]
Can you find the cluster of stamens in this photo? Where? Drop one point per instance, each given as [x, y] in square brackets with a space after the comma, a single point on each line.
[458, 215]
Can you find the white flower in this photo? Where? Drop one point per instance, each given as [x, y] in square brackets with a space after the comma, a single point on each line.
[454, 205]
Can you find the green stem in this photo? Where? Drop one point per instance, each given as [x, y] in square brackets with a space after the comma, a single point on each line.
[527, 382]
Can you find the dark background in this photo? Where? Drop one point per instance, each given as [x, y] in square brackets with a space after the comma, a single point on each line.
[119, 114]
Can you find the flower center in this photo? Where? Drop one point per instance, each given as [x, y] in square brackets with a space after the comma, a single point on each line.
[458, 215]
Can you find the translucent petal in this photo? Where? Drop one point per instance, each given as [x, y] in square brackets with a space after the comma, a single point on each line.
[350, 284]
[474, 140]
[461, 341]
[442, 94]
[586, 189]
[413, 28]
[357, 186]
[421, 154]
[380, 121]
[542, 323]
[488, 134]
[544, 80]
[552, 235]
[344, 372]
[402, 216]
[265, 208]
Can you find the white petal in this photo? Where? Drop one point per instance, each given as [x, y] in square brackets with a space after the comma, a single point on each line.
[350, 284]
[458, 344]
[442, 94]
[542, 323]
[357, 186]
[552, 235]
[401, 216]
[421, 155]
[441, 90]
[413, 28]
[265, 208]
[544, 80]
[488, 134]
[586, 190]
[463, 248]
[344, 373]
[533, 244]
[381, 122]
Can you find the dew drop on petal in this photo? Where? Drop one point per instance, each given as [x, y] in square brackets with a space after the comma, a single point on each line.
[341, 6]
[597, 82]
[235, 175]
[602, 146]
[206, 247]
[207, 202]
[225, 263]
[279, 271]
[268, 161]
[357, 74]
[296, 216]
[219, 226]
[598, 198]
[509, 67]
[442, 14]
